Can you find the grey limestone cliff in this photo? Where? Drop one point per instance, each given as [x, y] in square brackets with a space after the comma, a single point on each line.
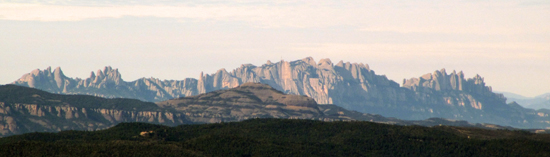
[109, 84]
[455, 97]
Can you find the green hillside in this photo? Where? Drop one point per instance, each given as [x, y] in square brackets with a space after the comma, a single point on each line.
[279, 137]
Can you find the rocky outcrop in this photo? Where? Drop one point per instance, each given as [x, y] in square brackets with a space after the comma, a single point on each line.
[442, 82]
[108, 83]
[453, 90]
[454, 97]
[249, 100]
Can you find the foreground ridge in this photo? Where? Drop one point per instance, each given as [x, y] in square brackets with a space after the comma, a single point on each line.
[280, 137]
[24, 109]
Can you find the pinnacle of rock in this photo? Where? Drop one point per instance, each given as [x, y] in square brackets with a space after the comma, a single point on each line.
[92, 75]
[48, 70]
[107, 68]
[100, 75]
[325, 64]
[325, 61]
[59, 77]
[222, 70]
[310, 61]
[340, 64]
[443, 71]
[35, 72]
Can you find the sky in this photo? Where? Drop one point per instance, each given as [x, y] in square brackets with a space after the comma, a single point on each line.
[506, 41]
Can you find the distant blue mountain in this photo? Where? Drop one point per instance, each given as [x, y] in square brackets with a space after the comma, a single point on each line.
[538, 102]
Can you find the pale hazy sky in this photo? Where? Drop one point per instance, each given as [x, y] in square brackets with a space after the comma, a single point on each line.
[507, 42]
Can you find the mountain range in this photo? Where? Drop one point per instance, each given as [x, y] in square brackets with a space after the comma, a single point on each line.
[537, 102]
[353, 86]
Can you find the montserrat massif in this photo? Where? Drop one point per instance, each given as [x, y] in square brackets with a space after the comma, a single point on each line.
[350, 85]
[302, 77]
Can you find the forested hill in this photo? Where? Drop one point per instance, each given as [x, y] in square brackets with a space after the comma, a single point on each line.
[279, 137]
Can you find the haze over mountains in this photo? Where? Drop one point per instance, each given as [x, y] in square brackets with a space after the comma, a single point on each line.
[537, 102]
[349, 85]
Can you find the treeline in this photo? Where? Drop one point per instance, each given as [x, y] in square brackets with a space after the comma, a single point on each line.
[278, 137]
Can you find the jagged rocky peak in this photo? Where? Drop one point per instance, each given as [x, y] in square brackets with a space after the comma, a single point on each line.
[353, 66]
[109, 74]
[478, 80]
[92, 75]
[310, 61]
[441, 81]
[43, 78]
[325, 64]
[59, 77]
[34, 73]
[340, 63]
[29, 78]
[248, 66]
[58, 72]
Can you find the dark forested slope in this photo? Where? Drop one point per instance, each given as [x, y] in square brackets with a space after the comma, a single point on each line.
[279, 137]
